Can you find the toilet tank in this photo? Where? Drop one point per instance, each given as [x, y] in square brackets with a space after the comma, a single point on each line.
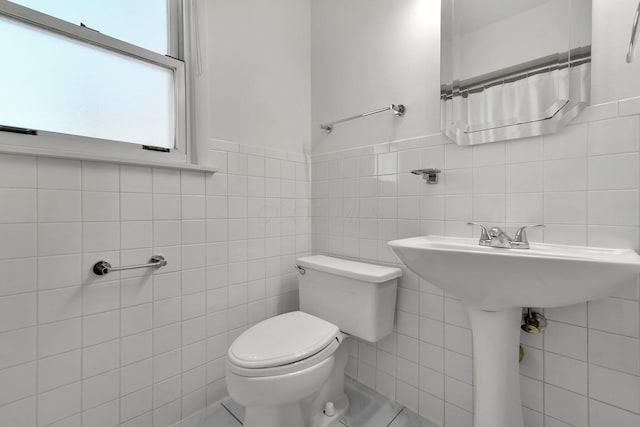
[359, 298]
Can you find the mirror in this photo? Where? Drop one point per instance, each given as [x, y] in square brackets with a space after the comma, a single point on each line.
[513, 69]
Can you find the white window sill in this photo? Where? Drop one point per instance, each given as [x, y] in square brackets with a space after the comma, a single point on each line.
[40, 152]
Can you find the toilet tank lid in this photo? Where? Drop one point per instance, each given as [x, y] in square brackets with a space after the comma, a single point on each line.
[352, 269]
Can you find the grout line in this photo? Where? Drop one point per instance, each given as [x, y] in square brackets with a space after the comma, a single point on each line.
[37, 291]
[396, 416]
[444, 383]
[180, 297]
[544, 239]
[231, 413]
[119, 309]
[588, 365]
[82, 288]
[206, 288]
[153, 300]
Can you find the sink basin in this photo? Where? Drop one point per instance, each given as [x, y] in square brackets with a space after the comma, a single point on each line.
[498, 279]
[495, 284]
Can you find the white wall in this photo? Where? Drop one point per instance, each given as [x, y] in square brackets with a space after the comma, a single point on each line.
[391, 54]
[148, 348]
[358, 67]
[138, 348]
[258, 72]
[583, 183]
[612, 78]
[367, 54]
[487, 48]
[230, 241]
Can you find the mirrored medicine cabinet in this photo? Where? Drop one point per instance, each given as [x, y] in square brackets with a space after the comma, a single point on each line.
[513, 69]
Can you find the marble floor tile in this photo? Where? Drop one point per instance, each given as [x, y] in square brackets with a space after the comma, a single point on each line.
[215, 415]
[367, 409]
[234, 408]
[407, 418]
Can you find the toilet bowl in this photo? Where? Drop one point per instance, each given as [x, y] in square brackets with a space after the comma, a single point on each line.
[277, 369]
[288, 371]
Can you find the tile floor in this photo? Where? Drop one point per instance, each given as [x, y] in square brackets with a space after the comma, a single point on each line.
[367, 409]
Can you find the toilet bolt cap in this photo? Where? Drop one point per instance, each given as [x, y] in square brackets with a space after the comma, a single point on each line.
[329, 409]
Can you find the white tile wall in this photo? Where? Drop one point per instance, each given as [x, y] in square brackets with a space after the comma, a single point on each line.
[132, 349]
[583, 183]
[138, 348]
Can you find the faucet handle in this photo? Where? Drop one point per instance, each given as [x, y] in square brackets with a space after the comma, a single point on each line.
[520, 239]
[484, 232]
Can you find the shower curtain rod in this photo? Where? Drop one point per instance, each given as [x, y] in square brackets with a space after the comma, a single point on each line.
[575, 57]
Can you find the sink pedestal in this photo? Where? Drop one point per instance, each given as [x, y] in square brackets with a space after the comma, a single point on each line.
[496, 337]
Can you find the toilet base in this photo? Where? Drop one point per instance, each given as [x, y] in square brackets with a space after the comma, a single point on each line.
[276, 416]
[307, 412]
[292, 415]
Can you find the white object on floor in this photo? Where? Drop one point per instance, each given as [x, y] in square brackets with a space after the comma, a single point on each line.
[288, 371]
[329, 409]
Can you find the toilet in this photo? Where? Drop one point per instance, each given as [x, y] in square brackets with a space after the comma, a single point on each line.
[288, 371]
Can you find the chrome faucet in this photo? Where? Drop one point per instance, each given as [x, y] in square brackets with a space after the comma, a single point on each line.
[495, 237]
[499, 239]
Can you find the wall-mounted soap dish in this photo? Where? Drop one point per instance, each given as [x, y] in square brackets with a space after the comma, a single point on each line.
[430, 175]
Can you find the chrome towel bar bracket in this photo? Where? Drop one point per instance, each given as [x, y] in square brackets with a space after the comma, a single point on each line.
[430, 175]
[102, 268]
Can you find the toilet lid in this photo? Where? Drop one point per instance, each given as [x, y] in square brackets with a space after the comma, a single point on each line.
[282, 340]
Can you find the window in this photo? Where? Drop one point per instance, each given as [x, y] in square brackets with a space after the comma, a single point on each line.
[139, 22]
[93, 76]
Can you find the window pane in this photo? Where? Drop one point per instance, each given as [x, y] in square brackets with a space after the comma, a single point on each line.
[57, 84]
[140, 22]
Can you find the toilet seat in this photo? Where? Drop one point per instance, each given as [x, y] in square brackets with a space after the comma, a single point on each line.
[286, 369]
[283, 344]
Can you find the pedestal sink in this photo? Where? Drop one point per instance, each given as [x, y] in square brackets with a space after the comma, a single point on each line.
[495, 284]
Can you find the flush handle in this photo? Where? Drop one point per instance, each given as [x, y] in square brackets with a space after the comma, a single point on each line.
[301, 270]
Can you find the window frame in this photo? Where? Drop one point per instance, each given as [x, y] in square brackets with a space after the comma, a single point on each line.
[58, 144]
